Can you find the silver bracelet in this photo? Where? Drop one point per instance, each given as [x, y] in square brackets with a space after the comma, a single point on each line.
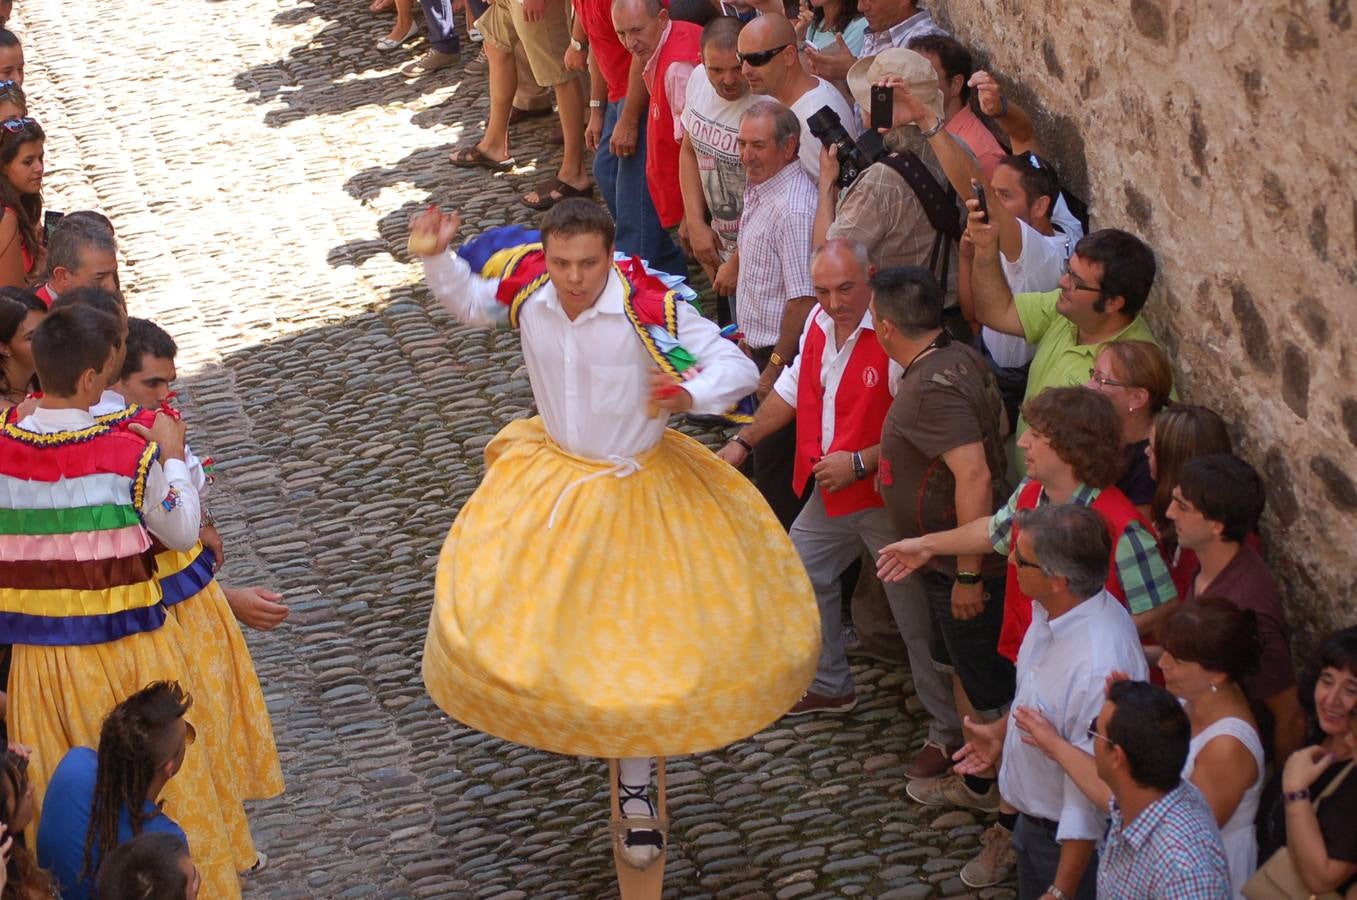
[937, 126]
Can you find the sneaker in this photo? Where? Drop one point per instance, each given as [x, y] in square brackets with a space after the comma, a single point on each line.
[812, 702]
[261, 862]
[932, 761]
[951, 790]
[995, 861]
[474, 35]
[478, 66]
[431, 61]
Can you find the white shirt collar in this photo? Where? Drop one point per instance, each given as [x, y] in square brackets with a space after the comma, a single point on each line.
[62, 419]
[608, 303]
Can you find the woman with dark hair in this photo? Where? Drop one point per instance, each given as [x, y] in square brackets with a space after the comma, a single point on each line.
[13, 103]
[22, 879]
[1137, 377]
[1313, 817]
[1208, 648]
[822, 22]
[20, 313]
[21, 167]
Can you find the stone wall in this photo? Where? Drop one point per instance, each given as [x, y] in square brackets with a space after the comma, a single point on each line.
[1224, 132]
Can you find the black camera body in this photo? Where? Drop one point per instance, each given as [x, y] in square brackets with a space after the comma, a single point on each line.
[853, 156]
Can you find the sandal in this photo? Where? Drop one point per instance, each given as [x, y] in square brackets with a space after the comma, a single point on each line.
[387, 43]
[553, 191]
[474, 157]
[381, 5]
[638, 882]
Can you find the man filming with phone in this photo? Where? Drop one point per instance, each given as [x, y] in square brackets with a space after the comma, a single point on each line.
[898, 207]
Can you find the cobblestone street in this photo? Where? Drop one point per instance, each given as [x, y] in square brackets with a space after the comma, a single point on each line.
[259, 159]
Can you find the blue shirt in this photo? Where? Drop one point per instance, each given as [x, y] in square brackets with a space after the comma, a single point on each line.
[66, 819]
[1171, 851]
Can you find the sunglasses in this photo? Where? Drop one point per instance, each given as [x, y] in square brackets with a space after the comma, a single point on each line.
[14, 126]
[1093, 733]
[761, 58]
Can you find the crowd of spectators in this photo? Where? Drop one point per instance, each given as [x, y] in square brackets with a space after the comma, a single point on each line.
[114, 782]
[958, 379]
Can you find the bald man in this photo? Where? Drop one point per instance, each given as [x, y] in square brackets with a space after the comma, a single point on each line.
[772, 65]
[670, 51]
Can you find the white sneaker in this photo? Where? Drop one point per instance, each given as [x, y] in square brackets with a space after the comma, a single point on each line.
[474, 35]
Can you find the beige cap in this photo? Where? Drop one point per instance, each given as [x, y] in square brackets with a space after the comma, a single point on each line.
[914, 68]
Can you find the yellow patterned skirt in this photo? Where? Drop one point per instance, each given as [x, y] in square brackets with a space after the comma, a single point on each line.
[229, 704]
[660, 613]
[58, 698]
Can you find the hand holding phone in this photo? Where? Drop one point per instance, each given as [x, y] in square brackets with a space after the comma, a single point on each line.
[882, 113]
[980, 198]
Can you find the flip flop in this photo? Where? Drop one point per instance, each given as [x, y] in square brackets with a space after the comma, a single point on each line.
[553, 191]
[474, 158]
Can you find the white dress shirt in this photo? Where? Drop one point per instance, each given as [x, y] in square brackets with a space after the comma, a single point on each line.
[111, 402]
[590, 376]
[833, 362]
[176, 527]
[1062, 668]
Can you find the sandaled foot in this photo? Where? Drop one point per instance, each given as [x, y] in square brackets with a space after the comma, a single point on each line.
[474, 157]
[381, 5]
[553, 191]
[639, 846]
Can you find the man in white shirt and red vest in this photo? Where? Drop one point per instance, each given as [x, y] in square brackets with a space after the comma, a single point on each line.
[670, 51]
[838, 391]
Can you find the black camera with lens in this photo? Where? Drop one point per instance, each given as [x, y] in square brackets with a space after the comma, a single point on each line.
[853, 156]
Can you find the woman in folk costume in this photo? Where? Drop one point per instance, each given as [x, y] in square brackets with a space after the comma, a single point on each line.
[80, 504]
[611, 589]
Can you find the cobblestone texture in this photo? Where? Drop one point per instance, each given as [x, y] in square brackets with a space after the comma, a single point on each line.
[259, 161]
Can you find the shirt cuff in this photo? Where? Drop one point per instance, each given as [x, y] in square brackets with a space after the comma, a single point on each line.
[785, 386]
[176, 473]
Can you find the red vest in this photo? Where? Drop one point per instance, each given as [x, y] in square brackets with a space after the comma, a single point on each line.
[859, 411]
[662, 149]
[1117, 512]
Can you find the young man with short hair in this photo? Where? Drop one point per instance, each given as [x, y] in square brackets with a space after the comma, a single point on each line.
[566, 648]
[1163, 840]
[1215, 506]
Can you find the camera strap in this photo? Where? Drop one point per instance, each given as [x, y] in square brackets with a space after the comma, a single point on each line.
[938, 204]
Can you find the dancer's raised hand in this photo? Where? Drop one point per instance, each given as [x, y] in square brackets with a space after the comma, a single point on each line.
[432, 231]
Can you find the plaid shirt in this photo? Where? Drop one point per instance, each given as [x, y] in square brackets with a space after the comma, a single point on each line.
[774, 242]
[899, 34]
[1141, 568]
[1171, 851]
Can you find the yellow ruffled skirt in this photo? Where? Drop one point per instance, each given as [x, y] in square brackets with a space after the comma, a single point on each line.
[58, 698]
[229, 704]
[659, 613]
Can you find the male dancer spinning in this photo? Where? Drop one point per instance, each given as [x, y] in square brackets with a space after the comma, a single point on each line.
[612, 588]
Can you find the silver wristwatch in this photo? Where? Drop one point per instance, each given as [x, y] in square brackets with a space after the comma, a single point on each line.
[577, 46]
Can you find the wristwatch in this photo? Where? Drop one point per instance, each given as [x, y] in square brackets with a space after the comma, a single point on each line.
[859, 467]
[775, 359]
[595, 104]
[206, 518]
[577, 46]
[968, 578]
[1056, 892]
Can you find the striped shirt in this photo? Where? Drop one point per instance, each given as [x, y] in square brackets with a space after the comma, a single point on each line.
[1171, 851]
[1141, 568]
[775, 233]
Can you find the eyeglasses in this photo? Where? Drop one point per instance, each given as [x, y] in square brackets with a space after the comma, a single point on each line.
[1075, 283]
[1104, 381]
[1023, 563]
[8, 86]
[14, 126]
[761, 58]
[1093, 733]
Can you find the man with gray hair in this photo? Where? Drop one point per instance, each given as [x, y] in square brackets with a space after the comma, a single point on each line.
[81, 253]
[837, 391]
[773, 291]
[1080, 634]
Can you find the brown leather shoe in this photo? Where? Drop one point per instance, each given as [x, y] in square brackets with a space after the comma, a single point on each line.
[812, 702]
[930, 762]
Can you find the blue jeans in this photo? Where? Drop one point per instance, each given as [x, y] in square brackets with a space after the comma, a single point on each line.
[442, 22]
[638, 225]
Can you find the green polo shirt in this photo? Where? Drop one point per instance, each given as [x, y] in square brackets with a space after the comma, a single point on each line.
[1061, 361]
